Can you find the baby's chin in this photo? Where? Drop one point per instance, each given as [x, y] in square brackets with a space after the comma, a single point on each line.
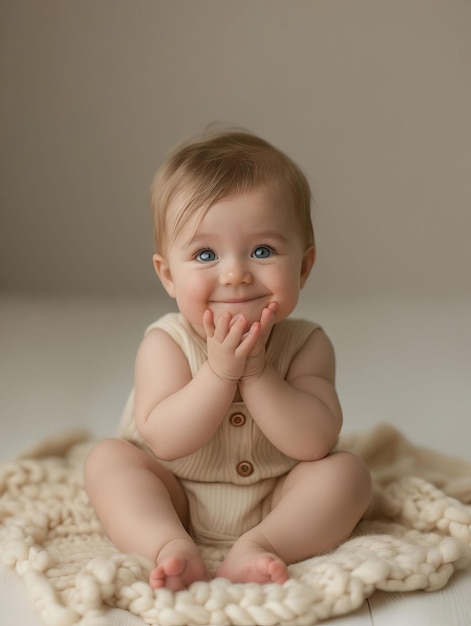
[251, 311]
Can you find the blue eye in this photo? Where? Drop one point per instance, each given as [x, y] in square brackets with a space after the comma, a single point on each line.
[262, 252]
[205, 256]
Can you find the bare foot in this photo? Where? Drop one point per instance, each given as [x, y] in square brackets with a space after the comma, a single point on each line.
[178, 565]
[252, 562]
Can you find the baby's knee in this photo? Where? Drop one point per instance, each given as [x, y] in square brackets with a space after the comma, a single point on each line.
[102, 456]
[101, 451]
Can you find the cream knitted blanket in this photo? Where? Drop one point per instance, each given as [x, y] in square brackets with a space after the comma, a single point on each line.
[414, 536]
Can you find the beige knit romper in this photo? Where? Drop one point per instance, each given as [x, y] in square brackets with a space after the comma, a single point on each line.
[230, 480]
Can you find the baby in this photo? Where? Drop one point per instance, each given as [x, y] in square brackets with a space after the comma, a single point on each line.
[228, 436]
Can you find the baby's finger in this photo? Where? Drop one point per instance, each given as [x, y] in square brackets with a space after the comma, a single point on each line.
[267, 319]
[249, 339]
[222, 327]
[271, 308]
[208, 323]
[237, 329]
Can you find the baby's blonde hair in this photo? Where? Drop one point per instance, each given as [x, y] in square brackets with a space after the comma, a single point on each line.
[207, 169]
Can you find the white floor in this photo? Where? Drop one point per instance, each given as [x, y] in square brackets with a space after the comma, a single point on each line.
[69, 363]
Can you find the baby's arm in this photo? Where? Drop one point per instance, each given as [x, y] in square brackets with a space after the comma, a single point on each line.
[300, 415]
[175, 413]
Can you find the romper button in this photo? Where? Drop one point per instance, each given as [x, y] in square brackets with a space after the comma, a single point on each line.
[237, 419]
[244, 468]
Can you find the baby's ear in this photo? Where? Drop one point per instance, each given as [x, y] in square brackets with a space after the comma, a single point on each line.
[162, 270]
[307, 264]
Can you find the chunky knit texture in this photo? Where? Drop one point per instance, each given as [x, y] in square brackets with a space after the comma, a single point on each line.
[416, 533]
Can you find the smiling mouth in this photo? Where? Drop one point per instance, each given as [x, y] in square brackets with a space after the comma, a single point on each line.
[237, 300]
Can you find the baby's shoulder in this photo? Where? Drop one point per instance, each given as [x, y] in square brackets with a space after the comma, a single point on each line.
[292, 328]
[288, 339]
[174, 331]
[170, 322]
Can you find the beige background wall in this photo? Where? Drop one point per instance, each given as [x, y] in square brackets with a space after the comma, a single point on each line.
[371, 97]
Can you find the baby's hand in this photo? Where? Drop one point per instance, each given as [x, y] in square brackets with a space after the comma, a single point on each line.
[228, 344]
[255, 363]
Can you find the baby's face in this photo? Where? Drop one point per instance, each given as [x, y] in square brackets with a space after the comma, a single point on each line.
[245, 253]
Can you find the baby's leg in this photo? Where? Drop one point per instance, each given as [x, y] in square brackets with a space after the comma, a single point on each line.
[144, 509]
[317, 507]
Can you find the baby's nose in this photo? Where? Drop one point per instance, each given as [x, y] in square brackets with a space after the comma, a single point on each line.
[235, 273]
